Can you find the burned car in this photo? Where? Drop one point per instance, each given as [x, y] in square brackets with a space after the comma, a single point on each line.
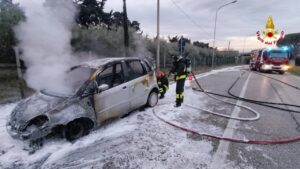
[106, 88]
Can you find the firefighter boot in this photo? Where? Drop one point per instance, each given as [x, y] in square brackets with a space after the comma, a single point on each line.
[161, 96]
[178, 103]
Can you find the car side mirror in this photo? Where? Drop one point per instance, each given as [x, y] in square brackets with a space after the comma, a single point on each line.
[102, 88]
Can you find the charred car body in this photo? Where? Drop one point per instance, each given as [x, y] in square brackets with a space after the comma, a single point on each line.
[108, 88]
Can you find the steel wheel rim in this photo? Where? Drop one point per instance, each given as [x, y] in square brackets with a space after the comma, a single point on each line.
[153, 99]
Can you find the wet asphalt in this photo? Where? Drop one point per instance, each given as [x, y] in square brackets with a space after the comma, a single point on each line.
[273, 125]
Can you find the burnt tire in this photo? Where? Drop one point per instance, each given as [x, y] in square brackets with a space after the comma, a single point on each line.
[281, 72]
[152, 99]
[75, 130]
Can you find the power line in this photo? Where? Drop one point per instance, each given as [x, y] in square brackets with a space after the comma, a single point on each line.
[189, 18]
[194, 22]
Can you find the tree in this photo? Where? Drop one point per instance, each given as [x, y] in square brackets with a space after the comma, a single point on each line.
[174, 39]
[135, 25]
[293, 41]
[290, 39]
[201, 44]
[125, 27]
[188, 41]
[91, 13]
[10, 16]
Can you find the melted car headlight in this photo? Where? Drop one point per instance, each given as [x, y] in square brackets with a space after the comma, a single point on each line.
[38, 121]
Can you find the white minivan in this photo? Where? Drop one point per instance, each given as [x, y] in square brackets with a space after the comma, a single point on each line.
[102, 89]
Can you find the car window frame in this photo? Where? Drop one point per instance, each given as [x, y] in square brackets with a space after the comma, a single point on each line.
[146, 66]
[104, 68]
[127, 77]
[114, 65]
[122, 71]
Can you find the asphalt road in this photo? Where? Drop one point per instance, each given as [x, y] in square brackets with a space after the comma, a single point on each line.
[273, 124]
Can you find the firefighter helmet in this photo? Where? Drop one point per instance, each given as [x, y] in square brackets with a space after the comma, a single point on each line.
[159, 74]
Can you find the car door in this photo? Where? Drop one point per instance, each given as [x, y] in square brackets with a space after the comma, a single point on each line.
[114, 101]
[138, 83]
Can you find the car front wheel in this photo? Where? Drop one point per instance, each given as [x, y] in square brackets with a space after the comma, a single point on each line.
[74, 130]
[152, 99]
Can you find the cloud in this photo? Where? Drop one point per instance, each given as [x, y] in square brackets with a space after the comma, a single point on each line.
[241, 19]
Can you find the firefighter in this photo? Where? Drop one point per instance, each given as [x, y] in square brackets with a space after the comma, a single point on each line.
[163, 83]
[179, 69]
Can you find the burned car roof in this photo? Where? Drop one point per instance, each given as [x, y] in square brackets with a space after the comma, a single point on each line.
[95, 64]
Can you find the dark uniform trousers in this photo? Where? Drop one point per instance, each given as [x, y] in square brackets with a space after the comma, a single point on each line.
[180, 89]
[180, 71]
[163, 89]
[163, 84]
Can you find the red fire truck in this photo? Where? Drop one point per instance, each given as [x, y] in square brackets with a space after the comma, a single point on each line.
[270, 59]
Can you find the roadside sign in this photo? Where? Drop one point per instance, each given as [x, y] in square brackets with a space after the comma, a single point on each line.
[181, 45]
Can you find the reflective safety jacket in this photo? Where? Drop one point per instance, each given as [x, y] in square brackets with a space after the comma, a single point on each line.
[179, 69]
[163, 83]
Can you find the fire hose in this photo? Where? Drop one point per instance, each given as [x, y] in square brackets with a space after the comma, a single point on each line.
[257, 115]
[244, 141]
[262, 103]
[295, 87]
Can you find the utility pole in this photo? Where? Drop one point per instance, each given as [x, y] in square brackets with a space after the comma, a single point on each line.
[19, 70]
[228, 45]
[228, 49]
[244, 44]
[157, 37]
[125, 26]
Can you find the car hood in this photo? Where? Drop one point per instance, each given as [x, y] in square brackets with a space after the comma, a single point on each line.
[33, 106]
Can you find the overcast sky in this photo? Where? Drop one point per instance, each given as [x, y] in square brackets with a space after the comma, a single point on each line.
[237, 22]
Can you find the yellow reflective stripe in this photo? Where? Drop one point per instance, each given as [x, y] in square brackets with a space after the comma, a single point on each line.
[181, 77]
[166, 87]
[161, 90]
[177, 96]
[182, 95]
[184, 70]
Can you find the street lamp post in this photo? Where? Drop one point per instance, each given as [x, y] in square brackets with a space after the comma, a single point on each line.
[215, 29]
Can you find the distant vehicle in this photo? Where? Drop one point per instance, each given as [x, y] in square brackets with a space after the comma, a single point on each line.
[102, 89]
[268, 60]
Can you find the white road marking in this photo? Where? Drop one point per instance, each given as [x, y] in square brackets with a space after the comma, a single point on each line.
[219, 158]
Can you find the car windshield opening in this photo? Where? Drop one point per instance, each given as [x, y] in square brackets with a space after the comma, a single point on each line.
[74, 78]
[77, 76]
